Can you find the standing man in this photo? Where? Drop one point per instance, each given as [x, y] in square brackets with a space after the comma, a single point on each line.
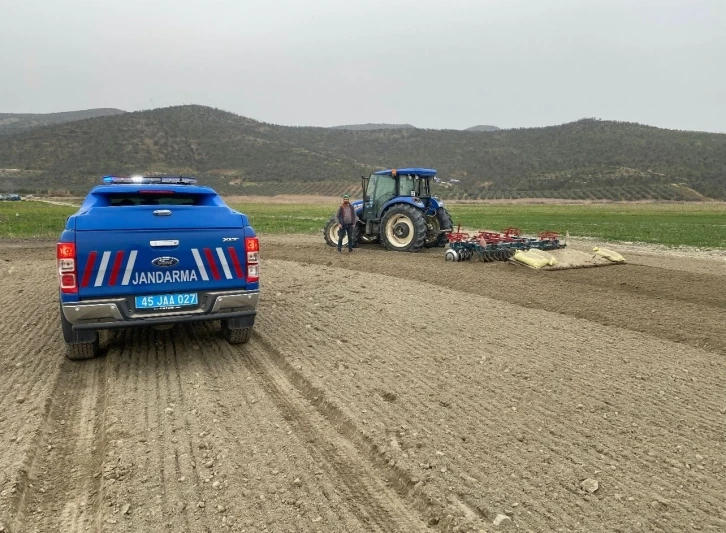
[347, 220]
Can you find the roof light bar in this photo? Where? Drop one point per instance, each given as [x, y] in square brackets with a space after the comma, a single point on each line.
[165, 180]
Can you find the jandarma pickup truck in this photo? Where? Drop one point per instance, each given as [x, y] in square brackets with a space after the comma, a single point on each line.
[155, 251]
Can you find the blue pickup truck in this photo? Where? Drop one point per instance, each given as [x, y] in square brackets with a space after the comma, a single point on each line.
[155, 251]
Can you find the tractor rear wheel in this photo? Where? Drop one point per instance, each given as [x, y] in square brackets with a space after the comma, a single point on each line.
[331, 233]
[440, 222]
[445, 224]
[403, 228]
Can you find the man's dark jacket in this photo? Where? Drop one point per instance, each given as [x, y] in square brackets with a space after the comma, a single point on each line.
[346, 218]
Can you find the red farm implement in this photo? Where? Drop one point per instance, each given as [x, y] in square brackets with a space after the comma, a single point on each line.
[497, 246]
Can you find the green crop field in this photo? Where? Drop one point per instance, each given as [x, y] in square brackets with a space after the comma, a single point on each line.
[701, 225]
[287, 218]
[33, 219]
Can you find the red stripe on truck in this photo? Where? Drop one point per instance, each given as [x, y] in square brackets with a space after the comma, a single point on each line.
[89, 268]
[235, 262]
[116, 267]
[212, 264]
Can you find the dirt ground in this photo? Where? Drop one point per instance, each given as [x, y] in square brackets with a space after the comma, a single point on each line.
[380, 392]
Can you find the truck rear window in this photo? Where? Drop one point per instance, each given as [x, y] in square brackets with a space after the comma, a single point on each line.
[122, 199]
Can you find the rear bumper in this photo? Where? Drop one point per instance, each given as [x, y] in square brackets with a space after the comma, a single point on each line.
[120, 313]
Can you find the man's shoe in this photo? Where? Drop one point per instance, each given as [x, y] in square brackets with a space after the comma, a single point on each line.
[340, 251]
[350, 250]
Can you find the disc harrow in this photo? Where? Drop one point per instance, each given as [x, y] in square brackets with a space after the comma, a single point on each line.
[490, 246]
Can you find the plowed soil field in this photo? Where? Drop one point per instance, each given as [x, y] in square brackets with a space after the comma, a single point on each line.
[380, 392]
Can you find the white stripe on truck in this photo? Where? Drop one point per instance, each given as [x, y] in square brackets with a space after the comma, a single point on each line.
[102, 269]
[200, 265]
[129, 267]
[223, 260]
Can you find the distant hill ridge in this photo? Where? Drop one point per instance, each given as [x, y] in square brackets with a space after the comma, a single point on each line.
[371, 126]
[12, 123]
[483, 128]
[584, 159]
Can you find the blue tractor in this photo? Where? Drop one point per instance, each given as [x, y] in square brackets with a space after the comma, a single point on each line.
[399, 211]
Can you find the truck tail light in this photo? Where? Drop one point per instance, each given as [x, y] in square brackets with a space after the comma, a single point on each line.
[67, 271]
[252, 249]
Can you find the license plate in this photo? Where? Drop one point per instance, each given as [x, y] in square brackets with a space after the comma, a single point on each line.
[166, 300]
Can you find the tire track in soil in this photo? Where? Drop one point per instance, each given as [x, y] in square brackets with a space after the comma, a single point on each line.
[350, 492]
[194, 493]
[489, 414]
[151, 438]
[61, 486]
[372, 465]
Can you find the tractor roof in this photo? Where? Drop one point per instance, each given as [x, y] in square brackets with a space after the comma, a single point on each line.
[423, 172]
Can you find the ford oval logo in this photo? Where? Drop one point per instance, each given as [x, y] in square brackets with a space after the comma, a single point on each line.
[164, 262]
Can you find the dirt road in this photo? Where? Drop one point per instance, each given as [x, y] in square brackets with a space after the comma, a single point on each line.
[380, 392]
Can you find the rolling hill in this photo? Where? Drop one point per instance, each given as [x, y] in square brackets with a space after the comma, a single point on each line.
[371, 126]
[12, 123]
[584, 159]
[483, 128]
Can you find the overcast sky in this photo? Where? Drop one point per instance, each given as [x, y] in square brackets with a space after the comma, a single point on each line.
[431, 63]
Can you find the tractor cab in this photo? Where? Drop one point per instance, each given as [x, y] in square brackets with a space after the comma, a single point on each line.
[399, 211]
[385, 186]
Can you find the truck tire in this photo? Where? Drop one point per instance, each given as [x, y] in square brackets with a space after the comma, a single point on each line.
[83, 350]
[235, 335]
[403, 228]
[331, 234]
[80, 345]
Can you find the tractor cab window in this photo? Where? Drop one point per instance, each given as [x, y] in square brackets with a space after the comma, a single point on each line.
[385, 189]
[408, 185]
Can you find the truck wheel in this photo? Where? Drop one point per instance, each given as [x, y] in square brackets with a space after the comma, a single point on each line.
[83, 350]
[403, 228]
[235, 335]
[331, 234]
[80, 344]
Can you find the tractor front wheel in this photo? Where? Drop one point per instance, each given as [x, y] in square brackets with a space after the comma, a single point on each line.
[403, 228]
